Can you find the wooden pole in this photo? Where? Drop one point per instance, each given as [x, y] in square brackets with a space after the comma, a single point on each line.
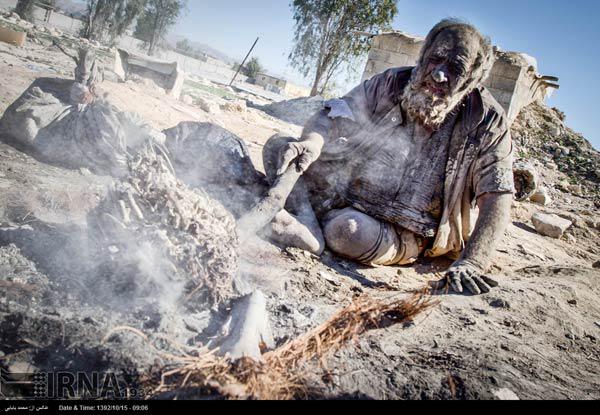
[242, 65]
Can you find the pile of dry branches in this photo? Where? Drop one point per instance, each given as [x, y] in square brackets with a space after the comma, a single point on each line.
[188, 236]
[282, 374]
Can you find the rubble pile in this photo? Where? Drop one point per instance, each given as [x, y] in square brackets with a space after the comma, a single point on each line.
[539, 133]
[41, 35]
[296, 111]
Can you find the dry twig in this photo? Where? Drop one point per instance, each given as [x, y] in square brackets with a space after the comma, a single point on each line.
[281, 375]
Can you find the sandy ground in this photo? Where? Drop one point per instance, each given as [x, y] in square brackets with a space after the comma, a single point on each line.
[537, 336]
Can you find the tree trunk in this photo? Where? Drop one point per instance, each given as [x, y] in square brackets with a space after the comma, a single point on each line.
[155, 35]
[25, 9]
[321, 66]
[90, 24]
[315, 88]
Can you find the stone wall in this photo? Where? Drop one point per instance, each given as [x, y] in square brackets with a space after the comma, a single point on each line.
[281, 86]
[265, 80]
[394, 49]
[515, 82]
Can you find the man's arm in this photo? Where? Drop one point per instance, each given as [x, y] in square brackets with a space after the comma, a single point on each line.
[493, 220]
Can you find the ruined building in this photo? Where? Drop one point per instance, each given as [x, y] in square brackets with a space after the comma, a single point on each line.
[167, 75]
[279, 85]
[514, 81]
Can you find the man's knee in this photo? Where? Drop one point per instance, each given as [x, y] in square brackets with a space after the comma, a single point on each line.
[287, 230]
[353, 234]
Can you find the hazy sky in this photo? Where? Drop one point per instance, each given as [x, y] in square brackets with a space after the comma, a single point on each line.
[562, 35]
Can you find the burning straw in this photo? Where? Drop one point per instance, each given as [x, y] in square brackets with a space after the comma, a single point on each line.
[280, 375]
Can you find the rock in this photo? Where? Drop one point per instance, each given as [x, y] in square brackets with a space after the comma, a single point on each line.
[499, 303]
[297, 111]
[111, 76]
[575, 189]
[555, 131]
[550, 225]
[526, 181]
[468, 321]
[563, 185]
[506, 395]
[596, 265]
[562, 152]
[208, 106]
[541, 197]
[207, 156]
[571, 239]
[330, 278]
[577, 220]
[235, 106]
[186, 99]
[572, 302]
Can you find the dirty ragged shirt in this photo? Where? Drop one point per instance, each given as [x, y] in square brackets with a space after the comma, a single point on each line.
[478, 160]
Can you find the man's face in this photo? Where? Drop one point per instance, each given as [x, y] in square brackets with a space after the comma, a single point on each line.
[439, 83]
[448, 63]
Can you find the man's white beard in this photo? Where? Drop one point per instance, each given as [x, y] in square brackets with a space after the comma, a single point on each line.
[427, 109]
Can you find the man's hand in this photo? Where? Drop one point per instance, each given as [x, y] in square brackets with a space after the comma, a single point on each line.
[303, 153]
[464, 274]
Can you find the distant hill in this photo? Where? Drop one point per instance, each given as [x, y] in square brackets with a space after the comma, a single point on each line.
[210, 51]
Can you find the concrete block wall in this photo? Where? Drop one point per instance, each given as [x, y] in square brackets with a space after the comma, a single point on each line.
[392, 50]
[503, 83]
[514, 84]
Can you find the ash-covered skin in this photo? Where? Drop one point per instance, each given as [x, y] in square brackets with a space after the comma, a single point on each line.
[454, 61]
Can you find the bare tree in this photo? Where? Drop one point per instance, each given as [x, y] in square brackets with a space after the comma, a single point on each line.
[157, 18]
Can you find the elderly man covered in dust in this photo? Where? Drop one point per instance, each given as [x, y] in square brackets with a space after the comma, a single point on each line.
[394, 168]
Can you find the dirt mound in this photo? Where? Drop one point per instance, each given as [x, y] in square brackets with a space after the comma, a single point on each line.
[296, 111]
[539, 133]
[207, 156]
